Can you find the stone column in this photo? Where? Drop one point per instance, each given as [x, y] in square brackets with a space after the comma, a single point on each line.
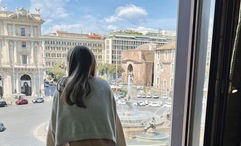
[17, 83]
[15, 52]
[33, 82]
[6, 54]
[32, 53]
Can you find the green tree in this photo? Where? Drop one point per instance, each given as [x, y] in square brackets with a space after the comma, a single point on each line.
[58, 71]
[102, 69]
[120, 69]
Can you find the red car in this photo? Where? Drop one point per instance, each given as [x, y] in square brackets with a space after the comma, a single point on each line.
[22, 101]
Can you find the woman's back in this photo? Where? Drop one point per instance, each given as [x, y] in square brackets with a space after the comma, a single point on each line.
[97, 121]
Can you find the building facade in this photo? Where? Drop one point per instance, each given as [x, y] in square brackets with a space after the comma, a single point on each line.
[138, 65]
[164, 68]
[116, 43]
[58, 44]
[21, 53]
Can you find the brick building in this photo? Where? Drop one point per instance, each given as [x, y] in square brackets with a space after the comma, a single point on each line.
[139, 64]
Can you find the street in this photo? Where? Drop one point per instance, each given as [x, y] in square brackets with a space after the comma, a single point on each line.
[20, 122]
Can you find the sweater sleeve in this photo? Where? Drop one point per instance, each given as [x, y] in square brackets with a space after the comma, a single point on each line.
[52, 123]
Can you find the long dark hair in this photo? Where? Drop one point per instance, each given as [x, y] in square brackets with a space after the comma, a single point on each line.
[81, 68]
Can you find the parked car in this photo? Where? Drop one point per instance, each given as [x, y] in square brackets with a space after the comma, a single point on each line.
[141, 103]
[3, 103]
[122, 95]
[139, 96]
[143, 96]
[22, 101]
[148, 96]
[155, 96]
[2, 128]
[155, 104]
[38, 100]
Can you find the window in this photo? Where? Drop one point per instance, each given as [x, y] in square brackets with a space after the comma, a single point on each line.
[164, 83]
[53, 63]
[166, 55]
[47, 54]
[22, 31]
[64, 55]
[53, 55]
[58, 55]
[52, 48]
[47, 63]
[24, 59]
[63, 49]
[58, 48]
[24, 44]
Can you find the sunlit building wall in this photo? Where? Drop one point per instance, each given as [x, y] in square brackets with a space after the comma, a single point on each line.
[21, 53]
[57, 45]
[116, 43]
[164, 68]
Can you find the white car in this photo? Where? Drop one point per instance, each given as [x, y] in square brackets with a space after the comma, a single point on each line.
[155, 104]
[148, 96]
[141, 103]
[155, 96]
[139, 96]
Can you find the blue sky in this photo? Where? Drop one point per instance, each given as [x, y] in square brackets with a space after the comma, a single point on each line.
[101, 16]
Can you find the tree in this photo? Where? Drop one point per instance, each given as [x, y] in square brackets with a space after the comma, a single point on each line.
[120, 69]
[58, 71]
[102, 69]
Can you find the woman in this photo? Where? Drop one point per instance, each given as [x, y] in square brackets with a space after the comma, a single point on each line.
[84, 110]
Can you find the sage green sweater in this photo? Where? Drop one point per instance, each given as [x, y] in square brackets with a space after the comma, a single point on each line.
[97, 121]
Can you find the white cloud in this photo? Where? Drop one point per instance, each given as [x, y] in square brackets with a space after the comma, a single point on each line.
[53, 9]
[65, 27]
[131, 13]
[48, 21]
[112, 27]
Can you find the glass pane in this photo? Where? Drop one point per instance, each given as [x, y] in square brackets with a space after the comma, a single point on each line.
[134, 43]
[202, 76]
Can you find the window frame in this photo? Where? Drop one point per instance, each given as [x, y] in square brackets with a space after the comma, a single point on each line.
[187, 13]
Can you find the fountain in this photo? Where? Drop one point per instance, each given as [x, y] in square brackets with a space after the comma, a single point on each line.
[136, 123]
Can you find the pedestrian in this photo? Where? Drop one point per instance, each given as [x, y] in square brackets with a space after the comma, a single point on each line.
[84, 109]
